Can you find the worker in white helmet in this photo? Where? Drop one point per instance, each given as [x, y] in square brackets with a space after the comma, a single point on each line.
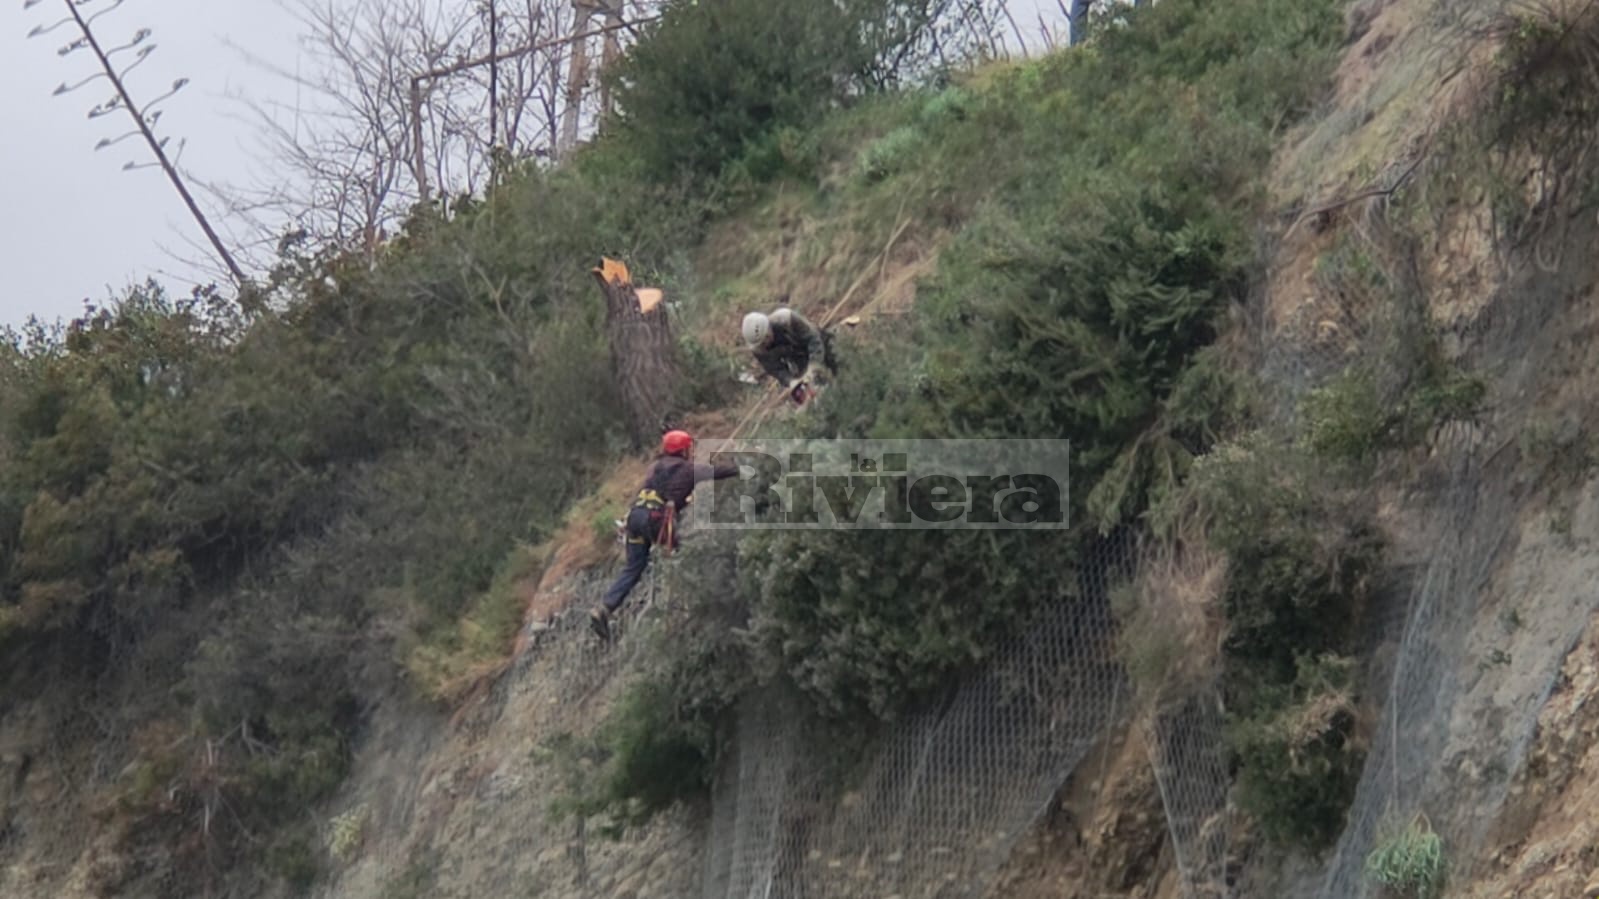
[788, 346]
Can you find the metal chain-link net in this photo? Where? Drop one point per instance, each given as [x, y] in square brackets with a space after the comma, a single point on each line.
[951, 789]
[1462, 695]
[1189, 759]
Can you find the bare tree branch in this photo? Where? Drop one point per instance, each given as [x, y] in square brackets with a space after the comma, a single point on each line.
[354, 155]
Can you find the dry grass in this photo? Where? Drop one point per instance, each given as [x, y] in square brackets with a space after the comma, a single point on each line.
[1310, 722]
[1172, 624]
[586, 540]
[829, 263]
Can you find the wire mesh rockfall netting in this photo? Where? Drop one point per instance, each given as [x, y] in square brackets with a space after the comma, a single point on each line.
[1189, 759]
[947, 794]
[1406, 770]
[463, 807]
[1465, 687]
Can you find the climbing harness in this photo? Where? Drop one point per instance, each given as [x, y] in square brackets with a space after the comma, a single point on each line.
[663, 519]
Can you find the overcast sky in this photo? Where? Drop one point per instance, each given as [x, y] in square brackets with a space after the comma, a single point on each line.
[73, 224]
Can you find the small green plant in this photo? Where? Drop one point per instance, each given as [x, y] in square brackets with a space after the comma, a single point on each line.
[952, 104]
[889, 154]
[1560, 521]
[1347, 418]
[1411, 862]
[1352, 419]
[1496, 658]
[347, 832]
[1352, 274]
[293, 858]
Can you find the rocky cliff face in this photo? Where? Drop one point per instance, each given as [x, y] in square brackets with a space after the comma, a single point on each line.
[461, 807]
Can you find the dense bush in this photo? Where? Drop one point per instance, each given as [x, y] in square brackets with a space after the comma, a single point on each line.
[718, 80]
[1298, 754]
[246, 518]
[1300, 562]
[1301, 559]
[862, 621]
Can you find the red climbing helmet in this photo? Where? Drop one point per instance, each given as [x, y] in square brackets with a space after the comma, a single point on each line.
[676, 443]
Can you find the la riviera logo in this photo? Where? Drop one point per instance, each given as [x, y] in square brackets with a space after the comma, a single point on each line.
[874, 484]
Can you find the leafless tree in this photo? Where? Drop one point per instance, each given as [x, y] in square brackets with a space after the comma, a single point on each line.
[336, 163]
[407, 101]
[528, 95]
[547, 96]
[352, 156]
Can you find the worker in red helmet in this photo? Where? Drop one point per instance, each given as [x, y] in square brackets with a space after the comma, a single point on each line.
[652, 519]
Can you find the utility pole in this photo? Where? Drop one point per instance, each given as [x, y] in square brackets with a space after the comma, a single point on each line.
[494, 74]
[610, 50]
[577, 77]
[141, 117]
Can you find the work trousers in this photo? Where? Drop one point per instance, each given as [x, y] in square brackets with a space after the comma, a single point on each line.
[640, 538]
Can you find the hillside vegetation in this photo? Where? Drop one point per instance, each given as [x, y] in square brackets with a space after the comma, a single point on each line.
[230, 527]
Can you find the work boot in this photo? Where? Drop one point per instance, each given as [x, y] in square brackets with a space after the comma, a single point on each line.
[600, 622]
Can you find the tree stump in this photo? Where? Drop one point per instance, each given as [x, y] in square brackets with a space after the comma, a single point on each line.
[643, 354]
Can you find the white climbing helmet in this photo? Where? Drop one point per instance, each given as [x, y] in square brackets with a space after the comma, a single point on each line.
[756, 327]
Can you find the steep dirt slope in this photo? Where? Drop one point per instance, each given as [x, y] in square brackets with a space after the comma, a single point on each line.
[464, 810]
[1547, 837]
[1104, 836]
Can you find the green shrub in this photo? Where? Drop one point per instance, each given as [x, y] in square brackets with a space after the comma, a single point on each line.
[347, 833]
[711, 80]
[659, 743]
[1352, 418]
[1410, 862]
[783, 152]
[1547, 79]
[889, 154]
[1403, 387]
[863, 621]
[1348, 418]
[946, 107]
[418, 880]
[711, 376]
[1298, 758]
[292, 856]
[1300, 562]
[659, 756]
[651, 752]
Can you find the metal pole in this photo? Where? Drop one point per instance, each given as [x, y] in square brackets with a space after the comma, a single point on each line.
[494, 73]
